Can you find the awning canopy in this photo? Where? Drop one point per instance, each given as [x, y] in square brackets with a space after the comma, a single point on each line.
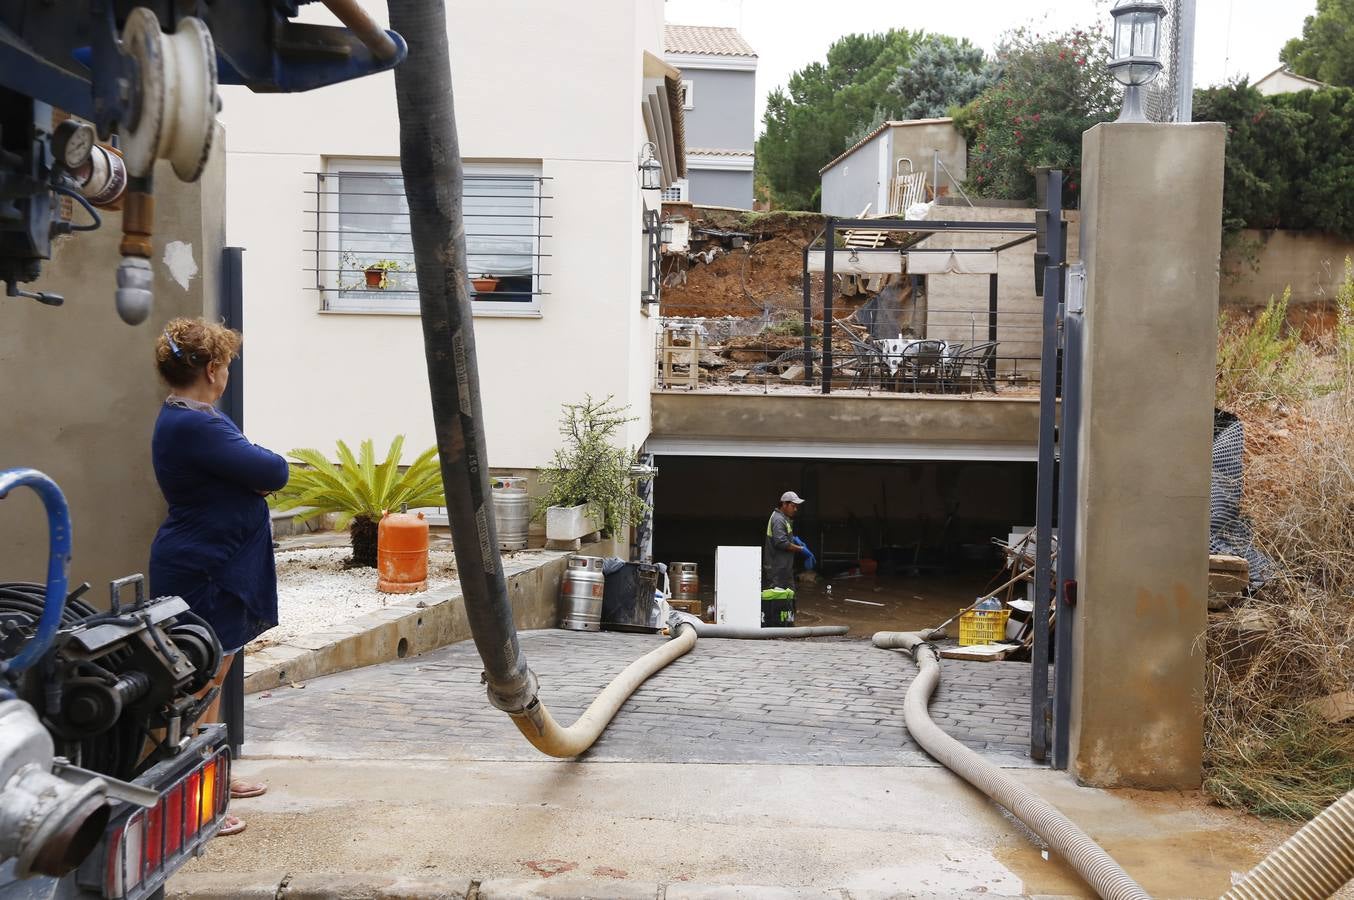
[952, 262]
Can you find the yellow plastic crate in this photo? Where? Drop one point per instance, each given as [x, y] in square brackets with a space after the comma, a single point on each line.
[983, 626]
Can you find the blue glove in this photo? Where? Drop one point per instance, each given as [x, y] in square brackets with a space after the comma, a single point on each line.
[810, 561]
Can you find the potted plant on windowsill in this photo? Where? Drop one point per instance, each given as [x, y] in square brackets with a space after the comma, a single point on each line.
[485, 284]
[590, 483]
[378, 273]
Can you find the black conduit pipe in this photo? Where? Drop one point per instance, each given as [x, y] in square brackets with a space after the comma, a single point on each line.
[430, 160]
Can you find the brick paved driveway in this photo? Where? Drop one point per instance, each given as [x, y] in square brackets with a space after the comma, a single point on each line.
[792, 702]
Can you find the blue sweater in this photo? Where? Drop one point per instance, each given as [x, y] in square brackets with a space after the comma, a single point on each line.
[215, 549]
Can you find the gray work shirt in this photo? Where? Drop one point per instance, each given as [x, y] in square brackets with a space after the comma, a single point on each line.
[778, 553]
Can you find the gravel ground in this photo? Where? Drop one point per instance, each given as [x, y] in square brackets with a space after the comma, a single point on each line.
[315, 591]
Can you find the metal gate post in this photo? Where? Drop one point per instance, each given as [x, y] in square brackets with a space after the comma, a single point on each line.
[230, 309]
[1047, 486]
[830, 236]
[992, 323]
[1068, 437]
[808, 318]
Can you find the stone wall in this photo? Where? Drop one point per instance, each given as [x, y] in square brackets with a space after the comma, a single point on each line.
[1258, 265]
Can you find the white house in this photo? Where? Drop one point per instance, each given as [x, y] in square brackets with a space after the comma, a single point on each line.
[1282, 81]
[551, 139]
[719, 99]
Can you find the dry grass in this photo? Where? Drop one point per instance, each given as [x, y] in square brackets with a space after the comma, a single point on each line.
[1265, 748]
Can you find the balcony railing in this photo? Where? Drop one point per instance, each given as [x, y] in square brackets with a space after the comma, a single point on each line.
[763, 355]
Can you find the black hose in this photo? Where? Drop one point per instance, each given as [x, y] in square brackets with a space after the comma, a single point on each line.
[430, 160]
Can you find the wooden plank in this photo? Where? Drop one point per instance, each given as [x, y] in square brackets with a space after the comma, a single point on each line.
[978, 652]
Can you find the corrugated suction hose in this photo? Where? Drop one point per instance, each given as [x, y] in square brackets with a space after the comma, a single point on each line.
[1312, 864]
[769, 634]
[1090, 861]
[548, 736]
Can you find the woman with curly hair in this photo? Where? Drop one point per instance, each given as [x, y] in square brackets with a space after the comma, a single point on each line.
[215, 548]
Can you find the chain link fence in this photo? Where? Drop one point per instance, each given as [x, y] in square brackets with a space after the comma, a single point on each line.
[1160, 98]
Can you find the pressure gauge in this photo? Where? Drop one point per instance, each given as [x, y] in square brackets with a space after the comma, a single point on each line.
[73, 143]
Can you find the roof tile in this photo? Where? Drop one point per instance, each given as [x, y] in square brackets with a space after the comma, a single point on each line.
[705, 40]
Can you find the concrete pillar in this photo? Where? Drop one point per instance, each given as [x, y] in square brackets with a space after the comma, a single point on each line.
[79, 389]
[1151, 235]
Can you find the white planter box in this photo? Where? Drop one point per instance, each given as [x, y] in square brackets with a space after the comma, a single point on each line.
[568, 523]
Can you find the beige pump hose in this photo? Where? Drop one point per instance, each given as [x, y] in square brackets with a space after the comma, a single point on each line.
[1090, 861]
[1312, 864]
[549, 737]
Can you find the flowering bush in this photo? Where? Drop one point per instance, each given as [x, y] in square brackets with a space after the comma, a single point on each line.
[1052, 88]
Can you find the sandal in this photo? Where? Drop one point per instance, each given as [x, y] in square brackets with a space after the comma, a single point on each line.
[241, 790]
[232, 825]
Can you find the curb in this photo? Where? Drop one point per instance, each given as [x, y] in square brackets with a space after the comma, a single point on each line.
[416, 624]
[328, 886]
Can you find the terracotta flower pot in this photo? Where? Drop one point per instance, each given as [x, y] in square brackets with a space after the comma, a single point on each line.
[375, 277]
[485, 285]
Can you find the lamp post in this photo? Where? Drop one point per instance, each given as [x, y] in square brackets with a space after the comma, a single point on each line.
[1136, 59]
[650, 169]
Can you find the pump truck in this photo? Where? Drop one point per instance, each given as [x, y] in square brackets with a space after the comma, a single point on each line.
[109, 782]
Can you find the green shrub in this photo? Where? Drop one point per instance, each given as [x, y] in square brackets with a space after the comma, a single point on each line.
[1259, 360]
[1052, 88]
[589, 469]
[1288, 157]
[360, 490]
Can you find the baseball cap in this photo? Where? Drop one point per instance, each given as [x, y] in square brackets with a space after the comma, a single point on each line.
[791, 497]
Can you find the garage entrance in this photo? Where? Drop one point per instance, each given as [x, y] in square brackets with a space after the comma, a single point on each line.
[901, 544]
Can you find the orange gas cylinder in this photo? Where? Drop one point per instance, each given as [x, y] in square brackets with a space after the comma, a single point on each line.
[402, 553]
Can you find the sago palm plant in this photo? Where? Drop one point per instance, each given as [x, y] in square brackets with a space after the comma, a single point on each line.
[359, 489]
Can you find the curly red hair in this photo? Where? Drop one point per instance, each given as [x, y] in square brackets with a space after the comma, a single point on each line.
[188, 346]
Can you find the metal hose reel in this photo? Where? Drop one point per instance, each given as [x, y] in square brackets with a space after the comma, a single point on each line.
[176, 97]
[173, 117]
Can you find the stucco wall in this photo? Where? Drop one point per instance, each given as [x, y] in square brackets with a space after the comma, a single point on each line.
[314, 377]
[724, 115]
[1258, 265]
[922, 143]
[856, 422]
[957, 305]
[855, 181]
[716, 188]
[80, 392]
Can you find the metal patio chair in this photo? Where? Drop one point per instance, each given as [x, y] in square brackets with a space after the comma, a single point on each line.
[923, 363]
[868, 361]
[972, 365]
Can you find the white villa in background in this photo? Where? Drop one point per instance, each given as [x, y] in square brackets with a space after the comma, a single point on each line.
[1282, 81]
[719, 98]
[555, 220]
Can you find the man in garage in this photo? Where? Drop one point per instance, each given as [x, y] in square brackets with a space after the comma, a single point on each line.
[778, 562]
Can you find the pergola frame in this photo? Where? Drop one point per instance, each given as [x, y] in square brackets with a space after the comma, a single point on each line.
[913, 226]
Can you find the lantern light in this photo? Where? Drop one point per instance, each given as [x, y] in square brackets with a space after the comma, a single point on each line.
[650, 169]
[1136, 58]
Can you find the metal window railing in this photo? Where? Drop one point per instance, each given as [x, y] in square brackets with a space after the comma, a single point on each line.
[360, 247]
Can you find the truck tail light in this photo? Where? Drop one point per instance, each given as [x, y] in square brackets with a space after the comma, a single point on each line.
[151, 839]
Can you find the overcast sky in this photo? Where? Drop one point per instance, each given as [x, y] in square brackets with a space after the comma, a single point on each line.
[1233, 37]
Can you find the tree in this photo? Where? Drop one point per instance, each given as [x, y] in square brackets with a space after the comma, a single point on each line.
[1052, 88]
[1326, 49]
[942, 74]
[1289, 157]
[809, 122]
